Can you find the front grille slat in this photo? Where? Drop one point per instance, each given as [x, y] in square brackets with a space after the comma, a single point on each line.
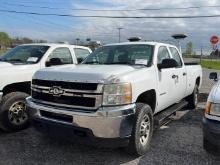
[74, 94]
[69, 100]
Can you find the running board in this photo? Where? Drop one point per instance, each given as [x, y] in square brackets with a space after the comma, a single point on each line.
[162, 116]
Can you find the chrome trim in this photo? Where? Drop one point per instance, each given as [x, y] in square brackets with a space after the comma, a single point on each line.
[109, 122]
[1, 95]
[98, 90]
[68, 94]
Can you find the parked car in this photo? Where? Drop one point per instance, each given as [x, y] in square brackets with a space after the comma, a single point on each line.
[16, 70]
[211, 119]
[118, 93]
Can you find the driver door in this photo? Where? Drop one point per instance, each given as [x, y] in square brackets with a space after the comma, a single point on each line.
[166, 84]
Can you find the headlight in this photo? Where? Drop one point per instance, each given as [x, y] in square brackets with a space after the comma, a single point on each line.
[213, 109]
[117, 94]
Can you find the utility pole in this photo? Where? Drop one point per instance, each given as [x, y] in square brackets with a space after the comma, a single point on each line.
[119, 34]
[201, 55]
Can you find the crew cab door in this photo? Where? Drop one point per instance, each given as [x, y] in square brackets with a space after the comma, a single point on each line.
[179, 75]
[166, 84]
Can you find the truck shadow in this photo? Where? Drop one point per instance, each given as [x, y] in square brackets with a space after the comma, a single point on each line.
[31, 147]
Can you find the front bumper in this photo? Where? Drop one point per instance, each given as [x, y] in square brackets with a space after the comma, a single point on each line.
[108, 122]
[1, 95]
[211, 131]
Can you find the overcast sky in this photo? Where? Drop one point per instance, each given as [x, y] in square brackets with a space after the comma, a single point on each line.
[54, 28]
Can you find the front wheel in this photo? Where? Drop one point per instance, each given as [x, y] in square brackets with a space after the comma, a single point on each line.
[142, 130]
[13, 114]
[208, 146]
[193, 99]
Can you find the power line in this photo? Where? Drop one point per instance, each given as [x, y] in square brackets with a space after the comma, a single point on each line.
[113, 17]
[101, 10]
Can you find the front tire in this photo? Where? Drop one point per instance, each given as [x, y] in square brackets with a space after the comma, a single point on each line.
[208, 146]
[13, 114]
[142, 130]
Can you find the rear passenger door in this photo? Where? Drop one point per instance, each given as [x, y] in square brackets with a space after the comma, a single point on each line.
[81, 54]
[180, 75]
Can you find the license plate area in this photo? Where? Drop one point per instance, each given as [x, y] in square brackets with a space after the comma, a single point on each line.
[57, 116]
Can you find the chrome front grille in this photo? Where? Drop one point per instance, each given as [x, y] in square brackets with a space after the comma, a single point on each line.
[55, 94]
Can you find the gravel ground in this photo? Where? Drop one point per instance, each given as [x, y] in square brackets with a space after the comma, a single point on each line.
[179, 142]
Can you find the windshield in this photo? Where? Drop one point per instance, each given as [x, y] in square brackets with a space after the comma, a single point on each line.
[25, 54]
[122, 54]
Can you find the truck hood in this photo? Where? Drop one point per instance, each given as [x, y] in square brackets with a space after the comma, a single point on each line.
[5, 64]
[86, 73]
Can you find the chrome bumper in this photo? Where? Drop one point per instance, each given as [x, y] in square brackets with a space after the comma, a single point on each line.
[106, 122]
[1, 95]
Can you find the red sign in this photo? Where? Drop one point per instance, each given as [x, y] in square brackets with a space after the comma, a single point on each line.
[214, 40]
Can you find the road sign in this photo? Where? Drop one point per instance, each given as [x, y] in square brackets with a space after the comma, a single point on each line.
[214, 40]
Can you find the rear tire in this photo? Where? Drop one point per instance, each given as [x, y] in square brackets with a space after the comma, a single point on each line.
[142, 132]
[193, 98]
[208, 146]
[13, 114]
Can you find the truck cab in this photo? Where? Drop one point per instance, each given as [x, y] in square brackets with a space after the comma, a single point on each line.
[117, 93]
[17, 68]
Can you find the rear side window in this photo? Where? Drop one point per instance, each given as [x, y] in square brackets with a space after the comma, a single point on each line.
[162, 54]
[176, 56]
[81, 54]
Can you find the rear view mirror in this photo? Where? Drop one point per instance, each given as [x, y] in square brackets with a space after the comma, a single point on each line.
[53, 62]
[213, 76]
[168, 63]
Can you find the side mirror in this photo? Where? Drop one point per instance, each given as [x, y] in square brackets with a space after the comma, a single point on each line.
[53, 62]
[168, 63]
[213, 76]
[80, 60]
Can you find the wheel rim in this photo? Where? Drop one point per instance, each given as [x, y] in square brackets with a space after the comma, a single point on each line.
[145, 130]
[17, 113]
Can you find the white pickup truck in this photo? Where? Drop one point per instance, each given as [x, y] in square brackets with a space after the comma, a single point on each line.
[16, 70]
[211, 119]
[117, 94]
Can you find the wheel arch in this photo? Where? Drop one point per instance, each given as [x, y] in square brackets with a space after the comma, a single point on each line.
[148, 97]
[18, 87]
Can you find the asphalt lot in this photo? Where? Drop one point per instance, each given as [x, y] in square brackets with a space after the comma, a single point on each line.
[179, 142]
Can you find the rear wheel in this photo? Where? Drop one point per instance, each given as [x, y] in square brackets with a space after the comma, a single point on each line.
[13, 114]
[142, 130]
[208, 146]
[193, 99]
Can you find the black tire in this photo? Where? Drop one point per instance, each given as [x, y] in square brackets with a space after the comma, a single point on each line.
[9, 120]
[208, 146]
[193, 98]
[135, 147]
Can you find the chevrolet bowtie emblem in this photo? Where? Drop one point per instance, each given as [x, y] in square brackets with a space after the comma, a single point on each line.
[56, 91]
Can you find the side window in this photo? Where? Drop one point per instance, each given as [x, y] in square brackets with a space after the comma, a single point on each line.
[176, 56]
[162, 54]
[81, 54]
[61, 56]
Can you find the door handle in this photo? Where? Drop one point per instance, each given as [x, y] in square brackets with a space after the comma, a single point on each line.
[174, 76]
[184, 74]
